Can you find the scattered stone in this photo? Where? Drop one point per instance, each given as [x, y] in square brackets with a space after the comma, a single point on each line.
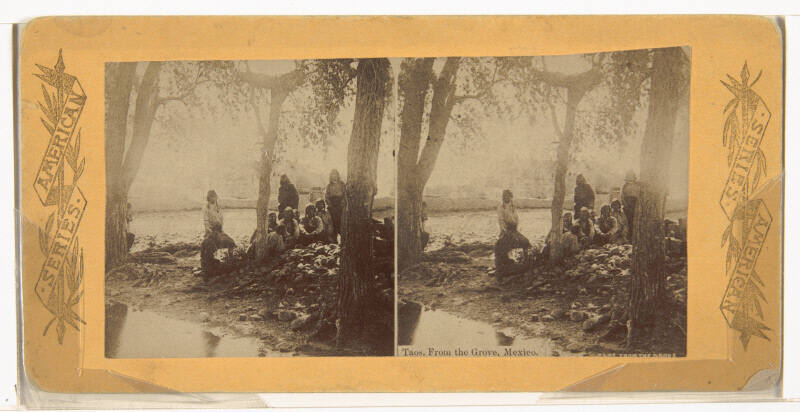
[204, 316]
[300, 322]
[595, 322]
[256, 318]
[286, 315]
[555, 354]
[575, 305]
[242, 317]
[558, 313]
[574, 347]
[590, 324]
[497, 316]
[547, 318]
[284, 347]
[577, 315]
[153, 257]
[290, 292]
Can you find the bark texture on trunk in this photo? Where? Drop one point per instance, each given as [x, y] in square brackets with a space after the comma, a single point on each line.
[147, 104]
[118, 86]
[574, 96]
[126, 167]
[279, 87]
[414, 82]
[668, 82]
[415, 167]
[356, 274]
[277, 97]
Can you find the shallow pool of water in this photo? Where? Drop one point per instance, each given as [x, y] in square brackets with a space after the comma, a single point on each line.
[144, 334]
[439, 333]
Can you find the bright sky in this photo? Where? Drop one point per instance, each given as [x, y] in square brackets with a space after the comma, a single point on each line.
[513, 148]
[191, 151]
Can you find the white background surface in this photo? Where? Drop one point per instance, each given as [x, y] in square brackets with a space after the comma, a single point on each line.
[20, 11]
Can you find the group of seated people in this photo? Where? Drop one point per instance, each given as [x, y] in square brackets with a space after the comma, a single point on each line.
[286, 229]
[589, 230]
[583, 229]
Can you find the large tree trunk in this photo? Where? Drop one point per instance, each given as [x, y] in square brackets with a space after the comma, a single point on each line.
[574, 96]
[356, 276]
[277, 97]
[409, 224]
[414, 174]
[119, 83]
[147, 103]
[668, 82]
[414, 81]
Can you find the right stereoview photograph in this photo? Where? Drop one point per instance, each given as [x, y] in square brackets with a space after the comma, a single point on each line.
[542, 204]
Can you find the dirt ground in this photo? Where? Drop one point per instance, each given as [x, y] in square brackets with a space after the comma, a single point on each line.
[288, 309]
[574, 305]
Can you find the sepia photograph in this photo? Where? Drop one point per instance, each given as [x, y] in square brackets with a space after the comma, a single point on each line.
[542, 204]
[249, 208]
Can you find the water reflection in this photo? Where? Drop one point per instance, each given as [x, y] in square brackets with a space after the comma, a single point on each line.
[145, 334]
[420, 330]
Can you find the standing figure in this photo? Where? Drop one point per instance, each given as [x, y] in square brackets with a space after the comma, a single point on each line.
[214, 237]
[212, 215]
[509, 238]
[287, 194]
[584, 195]
[630, 195]
[334, 197]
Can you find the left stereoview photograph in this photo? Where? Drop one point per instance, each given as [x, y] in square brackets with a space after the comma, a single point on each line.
[249, 208]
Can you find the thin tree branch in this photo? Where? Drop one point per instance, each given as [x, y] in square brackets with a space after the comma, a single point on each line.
[460, 98]
[189, 90]
[185, 94]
